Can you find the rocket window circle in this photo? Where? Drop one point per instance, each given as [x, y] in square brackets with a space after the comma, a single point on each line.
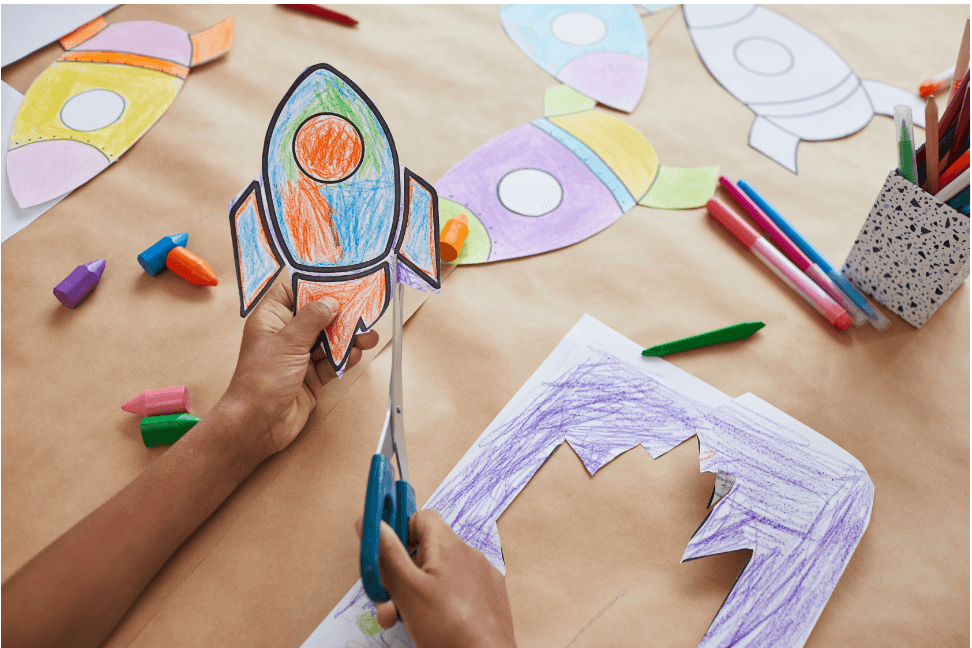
[764, 56]
[92, 110]
[578, 28]
[328, 148]
[530, 192]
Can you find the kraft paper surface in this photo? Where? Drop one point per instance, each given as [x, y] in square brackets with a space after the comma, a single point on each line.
[586, 566]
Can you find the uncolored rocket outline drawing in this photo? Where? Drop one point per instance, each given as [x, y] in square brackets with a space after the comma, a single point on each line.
[760, 35]
[131, 73]
[794, 498]
[338, 237]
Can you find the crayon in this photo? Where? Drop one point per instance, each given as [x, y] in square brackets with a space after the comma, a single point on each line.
[152, 260]
[327, 14]
[190, 267]
[718, 336]
[79, 283]
[167, 429]
[453, 237]
[154, 402]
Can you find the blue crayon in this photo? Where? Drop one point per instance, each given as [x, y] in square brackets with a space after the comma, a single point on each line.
[152, 260]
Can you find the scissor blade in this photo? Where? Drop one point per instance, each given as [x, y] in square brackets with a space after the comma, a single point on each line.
[395, 386]
[386, 444]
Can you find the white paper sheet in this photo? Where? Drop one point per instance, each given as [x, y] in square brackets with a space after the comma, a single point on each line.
[28, 27]
[12, 217]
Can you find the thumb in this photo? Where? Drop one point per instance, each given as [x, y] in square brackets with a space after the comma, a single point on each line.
[314, 317]
[399, 574]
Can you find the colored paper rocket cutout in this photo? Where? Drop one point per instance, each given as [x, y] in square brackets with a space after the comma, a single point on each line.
[334, 207]
[599, 50]
[557, 180]
[95, 101]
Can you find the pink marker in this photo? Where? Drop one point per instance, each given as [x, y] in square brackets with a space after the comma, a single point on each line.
[796, 255]
[780, 265]
[155, 402]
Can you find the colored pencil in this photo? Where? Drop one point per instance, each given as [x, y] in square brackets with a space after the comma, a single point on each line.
[962, 62]
[961, 130]
[327, 14]
[931, 141]
[953, 171]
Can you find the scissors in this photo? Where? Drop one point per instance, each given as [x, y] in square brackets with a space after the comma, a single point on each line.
[386, 499]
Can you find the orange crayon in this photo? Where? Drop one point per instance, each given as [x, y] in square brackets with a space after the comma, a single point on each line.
[453, 237]
[190, 267]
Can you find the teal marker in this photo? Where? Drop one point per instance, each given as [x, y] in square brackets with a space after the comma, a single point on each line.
[904, 127]
[727, 334]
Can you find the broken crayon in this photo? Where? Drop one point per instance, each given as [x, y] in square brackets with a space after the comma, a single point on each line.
[153, 259]
[154, 402]
[166, 429]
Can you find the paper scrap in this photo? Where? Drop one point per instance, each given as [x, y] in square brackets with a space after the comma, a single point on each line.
[599, 50]
[28, 27]
[335, 209]
[798, 86]
[794, 498]
[94, 102]
[13, 218]
[558, 180]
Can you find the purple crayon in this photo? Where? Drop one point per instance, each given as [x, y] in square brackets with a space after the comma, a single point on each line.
[79, 283]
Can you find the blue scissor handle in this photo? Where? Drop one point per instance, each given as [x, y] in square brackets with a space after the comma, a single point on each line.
[393, 502]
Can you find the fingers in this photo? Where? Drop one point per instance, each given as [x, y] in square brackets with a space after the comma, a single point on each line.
[387, 614]
[367, 340]
[399, 574]
[307, 324]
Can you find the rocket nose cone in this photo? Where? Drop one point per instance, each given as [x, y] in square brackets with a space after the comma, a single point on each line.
[42, 171]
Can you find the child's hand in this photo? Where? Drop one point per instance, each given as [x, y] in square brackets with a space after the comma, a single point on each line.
[450, 596]
[276, 383]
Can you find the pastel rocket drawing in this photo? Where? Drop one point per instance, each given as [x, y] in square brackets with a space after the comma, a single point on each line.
[798, 86]
[334, 207]
[598, 50]
[95, 101]
[557, 180]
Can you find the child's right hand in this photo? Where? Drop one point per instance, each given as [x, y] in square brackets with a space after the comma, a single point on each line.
[449, 596]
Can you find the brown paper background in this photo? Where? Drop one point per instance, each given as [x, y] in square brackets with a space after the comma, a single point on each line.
[593, 561]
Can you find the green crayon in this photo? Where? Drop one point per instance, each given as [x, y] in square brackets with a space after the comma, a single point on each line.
[167, 429]
[727, 334]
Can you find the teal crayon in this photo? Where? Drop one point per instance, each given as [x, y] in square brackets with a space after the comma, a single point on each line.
[727, 334]
[167, 429]
[152, 260]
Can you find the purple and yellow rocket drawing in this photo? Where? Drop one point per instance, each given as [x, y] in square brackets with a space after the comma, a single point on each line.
[333, 206]
[798, 86]
[557, 180]
[598, 50]
[99, 98]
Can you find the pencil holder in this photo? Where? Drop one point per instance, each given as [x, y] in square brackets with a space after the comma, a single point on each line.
[911, 253]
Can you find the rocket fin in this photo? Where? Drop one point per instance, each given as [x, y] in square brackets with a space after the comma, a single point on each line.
[884, 97]
[363, 297]
[564, 100]
[675, 188]
[212, 43]
[258, 262]
[83, 33]
[774, 142]
[418, 239]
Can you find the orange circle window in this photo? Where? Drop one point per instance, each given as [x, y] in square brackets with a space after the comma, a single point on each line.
[328, 148]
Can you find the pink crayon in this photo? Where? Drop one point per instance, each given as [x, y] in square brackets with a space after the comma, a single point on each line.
[79, 283]
[155, 402]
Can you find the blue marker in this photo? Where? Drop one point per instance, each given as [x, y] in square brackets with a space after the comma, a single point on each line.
[873, 314]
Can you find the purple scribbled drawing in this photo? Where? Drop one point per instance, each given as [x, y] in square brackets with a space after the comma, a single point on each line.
[797, 500]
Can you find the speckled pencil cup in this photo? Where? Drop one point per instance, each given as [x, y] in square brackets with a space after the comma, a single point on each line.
[912, 252]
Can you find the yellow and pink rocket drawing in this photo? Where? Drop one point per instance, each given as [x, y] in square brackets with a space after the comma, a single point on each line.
[95, 101]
